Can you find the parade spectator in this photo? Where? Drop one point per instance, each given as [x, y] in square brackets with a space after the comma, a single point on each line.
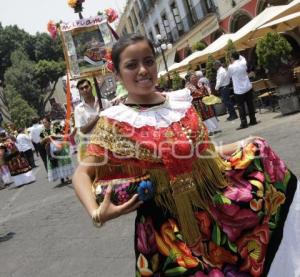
[206, 112]
[35, 134]
[86, 113]
[59, 163]
[223, 87]
[57, 111]
[242, 89]
[25, 146]
[198, 214]
[19, 168]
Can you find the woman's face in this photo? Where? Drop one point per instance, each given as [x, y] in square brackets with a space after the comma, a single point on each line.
[194, 79]
[138, 71]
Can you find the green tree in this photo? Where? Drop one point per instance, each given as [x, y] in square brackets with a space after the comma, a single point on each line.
[13, 38]
[20, 111]
[272, 51]
[176, 81]
[210, 70]
[198, 46]
[229, 50]
[35, 82]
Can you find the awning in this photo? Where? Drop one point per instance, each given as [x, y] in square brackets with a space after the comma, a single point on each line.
[280, 25]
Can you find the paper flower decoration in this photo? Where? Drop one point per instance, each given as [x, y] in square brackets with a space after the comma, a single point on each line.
[74, 3]
[111, 14]
[51, 27]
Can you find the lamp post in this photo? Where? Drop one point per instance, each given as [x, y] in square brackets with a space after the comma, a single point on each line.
[162, 45]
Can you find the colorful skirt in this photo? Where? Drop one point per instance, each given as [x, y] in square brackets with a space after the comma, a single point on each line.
[60, 165]
[203, 110]
[247, 230]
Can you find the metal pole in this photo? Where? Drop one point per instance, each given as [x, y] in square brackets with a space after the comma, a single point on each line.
[166, 67]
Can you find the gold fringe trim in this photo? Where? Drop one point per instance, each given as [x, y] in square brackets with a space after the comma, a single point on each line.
[186, 193]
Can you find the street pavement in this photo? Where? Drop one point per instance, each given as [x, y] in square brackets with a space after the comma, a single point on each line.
[45, 232]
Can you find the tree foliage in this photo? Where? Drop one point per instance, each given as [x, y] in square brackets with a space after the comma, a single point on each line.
[32, 65]
[198, 46]
[229, 50]
[20, 111]
[210, 70]
[176, 81]
[272, 51]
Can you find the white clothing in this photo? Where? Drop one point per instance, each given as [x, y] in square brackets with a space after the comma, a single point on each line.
[23, 179]
[84, 113]
[286, 261]
[23, 142]
[212, 124]
[223, 79]
[35, 131]
[238, 72]
[172, 110]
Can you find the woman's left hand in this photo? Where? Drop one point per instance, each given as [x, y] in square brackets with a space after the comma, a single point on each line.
[110, 211]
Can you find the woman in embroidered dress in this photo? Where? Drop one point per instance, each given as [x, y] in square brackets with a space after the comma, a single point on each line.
[201, 211]
[19, 168]
[206, 112]
[59, 163]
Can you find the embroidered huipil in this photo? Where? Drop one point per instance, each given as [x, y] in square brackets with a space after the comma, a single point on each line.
[208, 216]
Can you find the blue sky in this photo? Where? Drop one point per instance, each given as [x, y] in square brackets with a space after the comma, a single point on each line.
[33, 15]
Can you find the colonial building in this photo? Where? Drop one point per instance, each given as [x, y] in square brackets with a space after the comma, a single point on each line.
[182, 23]
[186, 22]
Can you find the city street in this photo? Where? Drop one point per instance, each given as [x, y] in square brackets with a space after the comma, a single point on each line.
[45, 232]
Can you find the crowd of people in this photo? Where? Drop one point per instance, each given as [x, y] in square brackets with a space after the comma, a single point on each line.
[49, 142]
[202, 210]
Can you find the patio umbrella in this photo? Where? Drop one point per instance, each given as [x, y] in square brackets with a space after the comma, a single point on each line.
[280, 25]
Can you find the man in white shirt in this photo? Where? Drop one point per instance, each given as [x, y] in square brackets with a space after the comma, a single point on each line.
[223, 87]
[86, 114]
[25, 146]
[35, 132]
[242, 89]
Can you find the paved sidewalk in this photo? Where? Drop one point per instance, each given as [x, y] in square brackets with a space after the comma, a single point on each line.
[45, 232]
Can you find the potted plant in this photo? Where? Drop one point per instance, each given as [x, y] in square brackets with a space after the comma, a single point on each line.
[211, 75]
[273, 54]
[176, 81]
[229, 50]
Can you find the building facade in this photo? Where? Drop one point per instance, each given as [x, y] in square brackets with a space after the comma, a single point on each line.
[184, 23]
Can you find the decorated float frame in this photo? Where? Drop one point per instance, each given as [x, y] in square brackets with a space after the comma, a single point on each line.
[87, 45]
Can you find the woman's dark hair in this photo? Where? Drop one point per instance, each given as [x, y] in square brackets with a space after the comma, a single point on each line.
[81, 81]
[47, 118]
[188, 76]
[123, 43]
[235, 55]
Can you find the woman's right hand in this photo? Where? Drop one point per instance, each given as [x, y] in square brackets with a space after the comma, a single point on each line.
[110, 211]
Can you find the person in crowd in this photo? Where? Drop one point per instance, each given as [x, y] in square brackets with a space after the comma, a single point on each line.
[24, 144]
[201, 210]
[59, 163]
[206, 112]
[19, 168]
[202, 79]
[57, 111]
[223, 87]
[242, 89]
[86, 113]
[35, 134]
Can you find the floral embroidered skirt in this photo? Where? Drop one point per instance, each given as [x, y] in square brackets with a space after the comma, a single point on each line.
[240, 234]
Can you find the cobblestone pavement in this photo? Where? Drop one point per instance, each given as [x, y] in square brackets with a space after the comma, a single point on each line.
[44, 231]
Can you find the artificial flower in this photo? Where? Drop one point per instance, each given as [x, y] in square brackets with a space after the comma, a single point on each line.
[111, 14]
[51, 27]
[145, 190]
